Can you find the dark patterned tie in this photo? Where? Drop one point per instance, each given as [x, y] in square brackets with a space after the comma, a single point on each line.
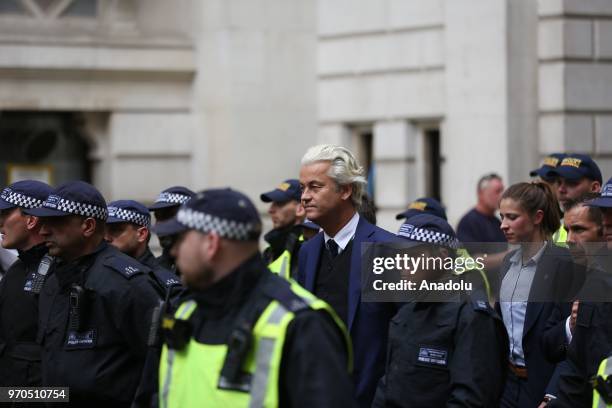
[332, 247]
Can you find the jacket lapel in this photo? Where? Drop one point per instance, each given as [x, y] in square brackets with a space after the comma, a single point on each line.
[363, 233]
[540, 290]
[312, 261]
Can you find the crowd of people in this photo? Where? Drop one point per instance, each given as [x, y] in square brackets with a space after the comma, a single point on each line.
[215, 321]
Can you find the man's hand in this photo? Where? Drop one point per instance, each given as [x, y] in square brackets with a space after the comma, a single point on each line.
[574, 316]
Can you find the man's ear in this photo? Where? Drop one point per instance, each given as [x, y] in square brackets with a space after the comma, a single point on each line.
[88, 227]
[346, 191]
[444, 252]
[595, 187]
[32, 222]
[214, 245]
[300, 212]
[142, 233]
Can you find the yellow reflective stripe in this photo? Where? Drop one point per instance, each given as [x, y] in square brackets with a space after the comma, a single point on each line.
[560, 237]
[265, 354]
[185, 310]
[282, 265]
[183, 313]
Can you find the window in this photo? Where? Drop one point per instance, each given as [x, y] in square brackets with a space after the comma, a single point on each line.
[50, 9]
[432, 163]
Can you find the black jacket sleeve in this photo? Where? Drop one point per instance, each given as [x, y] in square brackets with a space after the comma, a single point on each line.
[477, 366]
[553, 340]
[314, 365]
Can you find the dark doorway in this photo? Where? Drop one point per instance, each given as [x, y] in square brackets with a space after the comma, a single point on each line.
[48, 146]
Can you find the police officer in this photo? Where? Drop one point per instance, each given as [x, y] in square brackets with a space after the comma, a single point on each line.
[128, 229]
[423, 205]
[286, 237]
[165, 207]
[245, 336]
[478, 276]
[96, 306]
[447, 349]
[19, 290]
[591, 334]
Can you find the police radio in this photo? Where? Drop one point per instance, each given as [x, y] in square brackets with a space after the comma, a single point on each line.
[37, 279]
[78, 308]
[177, 332]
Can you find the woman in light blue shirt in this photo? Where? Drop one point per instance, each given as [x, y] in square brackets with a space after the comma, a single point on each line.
[532, 277]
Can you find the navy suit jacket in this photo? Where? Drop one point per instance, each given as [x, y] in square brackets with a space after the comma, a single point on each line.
[555, 278]
[368, 323]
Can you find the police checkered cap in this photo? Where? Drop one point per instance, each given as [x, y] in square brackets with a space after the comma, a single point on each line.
[423, 235]
[225, 228]
[19, 200]
[172, 198]
[75, 197]
[428, 228]
[25, 194]
[74, 207]
[125, 211]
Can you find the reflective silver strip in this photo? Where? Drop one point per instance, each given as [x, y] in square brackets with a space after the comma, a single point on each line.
[283, 268]
[277, 314]
[608, 369]
[265, 350]
[187, 306]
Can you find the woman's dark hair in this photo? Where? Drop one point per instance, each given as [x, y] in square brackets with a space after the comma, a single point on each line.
[537, 196]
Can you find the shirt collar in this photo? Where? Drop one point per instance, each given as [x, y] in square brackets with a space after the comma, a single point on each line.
[344, 236]
[517, 257]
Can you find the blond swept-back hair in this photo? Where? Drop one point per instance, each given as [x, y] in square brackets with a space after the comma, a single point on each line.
[344, 169]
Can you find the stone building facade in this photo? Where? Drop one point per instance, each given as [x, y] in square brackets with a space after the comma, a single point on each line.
[432, 94]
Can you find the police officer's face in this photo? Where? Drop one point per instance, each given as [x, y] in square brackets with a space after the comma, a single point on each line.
[607, 225]
[193, 258]
[164, 214]
[584, 236]
[573, 189]
[321, 196]
[283, 214]
[517, 225]
[65, 236]
[14, 228]
[127, 237]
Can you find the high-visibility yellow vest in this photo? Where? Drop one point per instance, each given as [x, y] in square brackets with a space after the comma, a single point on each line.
[191, 377]
[463, 253]
[282, 265]
[560, 237]
[605, 369]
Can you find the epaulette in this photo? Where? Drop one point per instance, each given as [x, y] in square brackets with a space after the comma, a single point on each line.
[126, 268]
[279, 289]
[481, 306]
[167, 278]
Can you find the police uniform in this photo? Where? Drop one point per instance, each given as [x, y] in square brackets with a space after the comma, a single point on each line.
[133, 212]
[170, 198]
[95, 312]
[591, 342]
[252, 338]
[284, 242]
[449, 352]
[19, 291]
